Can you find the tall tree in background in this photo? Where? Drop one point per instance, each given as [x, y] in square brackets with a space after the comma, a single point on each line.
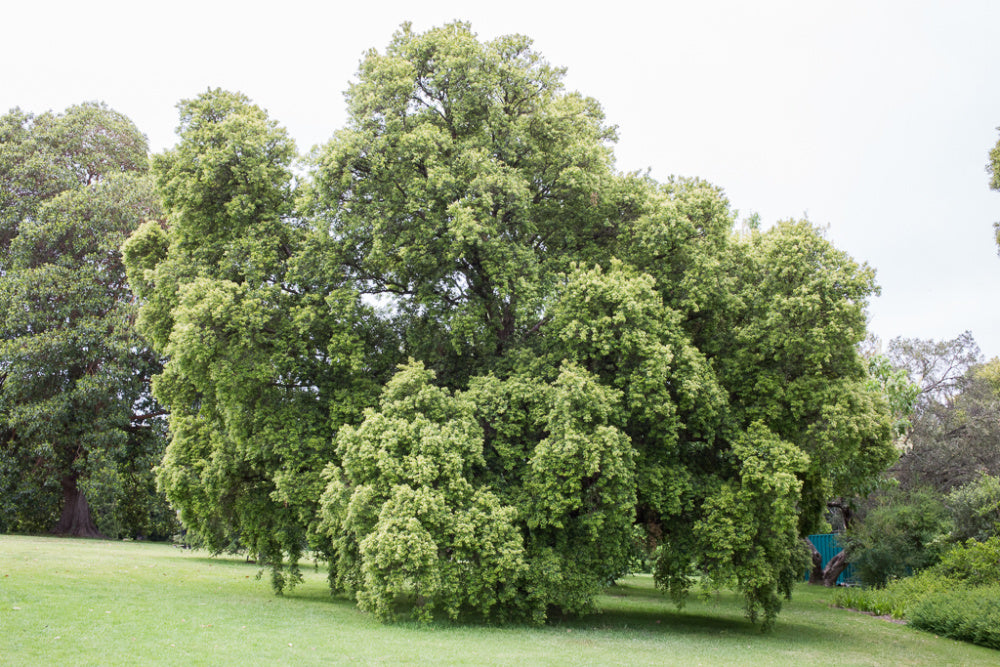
[993, 169]
[956, 425]
[74, 399]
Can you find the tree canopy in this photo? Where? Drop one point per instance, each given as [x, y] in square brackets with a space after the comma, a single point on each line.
[956, 423]
[469, 361]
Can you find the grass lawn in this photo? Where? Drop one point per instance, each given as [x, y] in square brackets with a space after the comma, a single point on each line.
[83, 602]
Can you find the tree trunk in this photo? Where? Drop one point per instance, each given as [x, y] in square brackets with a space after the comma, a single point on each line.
[833, 569]
[76, 520]
[816, 573]
[828, 575]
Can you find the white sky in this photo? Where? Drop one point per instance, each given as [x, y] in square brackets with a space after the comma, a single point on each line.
[874, 118]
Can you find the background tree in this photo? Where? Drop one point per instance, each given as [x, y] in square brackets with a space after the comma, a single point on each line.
[77, 417]
[975, 508]
[956, 423]
[943, 488]
[905, 531]
[993, 169]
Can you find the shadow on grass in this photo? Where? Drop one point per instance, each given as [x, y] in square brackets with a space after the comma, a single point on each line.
[656, 617]
[635, 606]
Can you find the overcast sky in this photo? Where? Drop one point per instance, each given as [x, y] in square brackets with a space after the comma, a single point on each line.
[871, 118]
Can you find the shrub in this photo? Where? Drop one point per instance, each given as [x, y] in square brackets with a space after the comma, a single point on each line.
[873, 600]
[897, 598]
[976, 509]
[973, 564]
[906, 533]
[968, 614]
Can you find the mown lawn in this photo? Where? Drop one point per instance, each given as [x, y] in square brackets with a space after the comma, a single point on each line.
[109, 603]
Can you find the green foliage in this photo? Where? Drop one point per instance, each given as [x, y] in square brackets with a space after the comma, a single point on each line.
[75, 410]
[403, 516]
[268, 352]
[42, 156]
[589, 351]
[993, 168]
[956, 423]
[406, 510]
[898, 597]
[905, 533]
[901, 394]
[945, 588]
[973, 563]
[971, 615]
[975, 508]
[465, 180]
[747, 534]
[27, 505]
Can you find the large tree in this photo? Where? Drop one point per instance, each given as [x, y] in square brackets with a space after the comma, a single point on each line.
[476, 196]
[595, 359]
[74, 398]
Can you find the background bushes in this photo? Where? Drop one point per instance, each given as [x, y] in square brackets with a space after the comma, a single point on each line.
[905, 533]
[959, 597]
[968, 614]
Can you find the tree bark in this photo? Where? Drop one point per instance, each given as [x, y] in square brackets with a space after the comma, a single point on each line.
[816, 573]
[833, 569]
[76, 520]
[828, 575]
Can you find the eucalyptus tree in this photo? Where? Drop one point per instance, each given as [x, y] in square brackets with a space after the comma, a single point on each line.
[74, 398]
[956, 426]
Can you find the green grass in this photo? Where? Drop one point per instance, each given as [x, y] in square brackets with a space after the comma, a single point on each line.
[107, 603]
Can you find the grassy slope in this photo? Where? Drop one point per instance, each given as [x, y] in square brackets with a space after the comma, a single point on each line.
[88, 602]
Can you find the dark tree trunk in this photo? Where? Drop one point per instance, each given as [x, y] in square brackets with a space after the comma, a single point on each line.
[828, 575]
[816, 573]
[76, 520]
[833, 569]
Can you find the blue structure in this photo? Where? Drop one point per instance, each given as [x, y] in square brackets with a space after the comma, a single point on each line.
[828, 546]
